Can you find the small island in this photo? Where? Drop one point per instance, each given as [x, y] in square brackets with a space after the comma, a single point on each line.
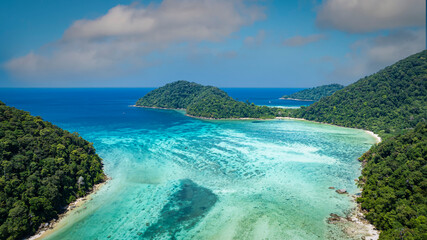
[314, 94]
[204, 102]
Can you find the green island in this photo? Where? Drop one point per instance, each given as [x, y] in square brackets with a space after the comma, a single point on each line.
[204, 102]
[314, 94]
[392, 103]
[43, 168]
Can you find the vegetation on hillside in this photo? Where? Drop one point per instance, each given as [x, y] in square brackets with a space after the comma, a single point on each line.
[203, 101]
[391, 103]
[43, 168]
[176, 95]
[215, 103]
[316, 93]
[395, 185]
[388, 102]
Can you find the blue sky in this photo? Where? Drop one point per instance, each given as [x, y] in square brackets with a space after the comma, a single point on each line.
[240, 43]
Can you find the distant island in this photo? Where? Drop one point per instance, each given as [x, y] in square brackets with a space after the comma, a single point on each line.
[204, 102]
[314, 94]
[43, 168]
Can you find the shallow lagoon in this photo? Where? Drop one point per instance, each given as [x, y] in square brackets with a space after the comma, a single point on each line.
[270, 179]
[183, 178]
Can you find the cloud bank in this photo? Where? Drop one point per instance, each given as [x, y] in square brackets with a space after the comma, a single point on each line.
[370, 55]
[125, 37]
[360, 16]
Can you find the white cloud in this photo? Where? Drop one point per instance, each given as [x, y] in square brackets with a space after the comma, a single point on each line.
[370, 55]
[301, 40]
[359, 16]
[186, 20]
[123, 38]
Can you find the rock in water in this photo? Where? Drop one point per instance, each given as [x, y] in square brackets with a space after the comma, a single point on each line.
[185, 208]
[341, 191]
[334, 218]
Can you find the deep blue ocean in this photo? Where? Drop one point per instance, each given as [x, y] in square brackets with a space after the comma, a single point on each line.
[176, 177]
[60, 104]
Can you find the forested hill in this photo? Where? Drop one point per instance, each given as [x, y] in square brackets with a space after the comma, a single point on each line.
[395, 186]
[316, 93]
[43, 168]
[203, 101]
[392, 100]
[176, 95]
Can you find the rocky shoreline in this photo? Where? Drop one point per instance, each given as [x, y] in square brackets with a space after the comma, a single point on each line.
[355, 224]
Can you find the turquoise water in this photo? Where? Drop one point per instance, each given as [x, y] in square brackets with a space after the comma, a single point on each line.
[175, 177]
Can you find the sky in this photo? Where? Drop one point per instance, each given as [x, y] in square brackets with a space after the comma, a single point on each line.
[225, 43]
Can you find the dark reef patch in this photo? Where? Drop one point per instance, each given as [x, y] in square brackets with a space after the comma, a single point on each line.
[184, 209]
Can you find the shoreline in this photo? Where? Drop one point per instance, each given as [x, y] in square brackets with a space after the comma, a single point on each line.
[354, 224]
[180, 109]
[360, 221]
[228, 119]
[53, 225]
[378, 139]
[376, 136]
[296, 99]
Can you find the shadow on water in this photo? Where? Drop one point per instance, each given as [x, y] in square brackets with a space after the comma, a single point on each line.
[184, 209]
